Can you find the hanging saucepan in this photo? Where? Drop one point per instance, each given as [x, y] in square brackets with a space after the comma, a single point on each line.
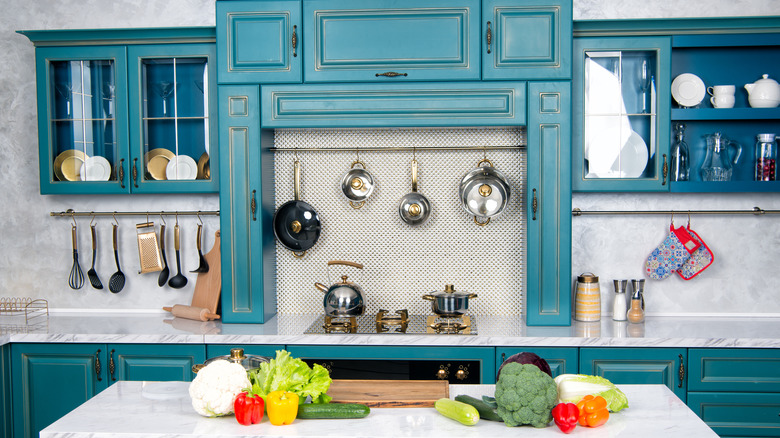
[449, 302]
[296, 223]
[357, 184]
[414, 207]
[484, 192]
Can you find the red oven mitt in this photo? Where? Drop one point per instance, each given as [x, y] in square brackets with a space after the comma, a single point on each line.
[671, 254]
[700, 260]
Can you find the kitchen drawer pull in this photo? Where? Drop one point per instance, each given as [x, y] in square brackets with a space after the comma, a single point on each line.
[391, 74]
[122, 173]
[111, 365]
[503, 357]
[534, 205]
[134, 173]
[97, 365]
[489, 36]
[681, 372]
[294, 41]
[665, 171]
[253, 205]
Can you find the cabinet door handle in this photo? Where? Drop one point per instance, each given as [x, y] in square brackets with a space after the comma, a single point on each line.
[534, 205]
[134, 173]
[97, 366]
[121, 173]
[503, 357]
[681, 372]
[489, 37]
[665, 171]
[391, 74]
[294, 41]
[253, 205]
[111, 365]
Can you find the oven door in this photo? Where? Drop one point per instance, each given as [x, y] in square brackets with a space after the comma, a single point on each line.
[454, 371]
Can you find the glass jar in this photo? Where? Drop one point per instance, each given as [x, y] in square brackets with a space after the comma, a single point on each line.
[766, 153]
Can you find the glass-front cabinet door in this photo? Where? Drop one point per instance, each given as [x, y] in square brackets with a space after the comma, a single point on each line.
[173, 107]
[621, 114]
[81, 120]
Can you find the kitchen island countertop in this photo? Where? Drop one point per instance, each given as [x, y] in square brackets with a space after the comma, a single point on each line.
[493, 331]
[157, 409]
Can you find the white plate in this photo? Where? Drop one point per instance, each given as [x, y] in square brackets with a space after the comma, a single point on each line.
[181, 167]
[633, 157]
[95, 168]
[688, 89]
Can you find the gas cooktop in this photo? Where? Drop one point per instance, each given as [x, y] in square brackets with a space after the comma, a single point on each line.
[397, 322]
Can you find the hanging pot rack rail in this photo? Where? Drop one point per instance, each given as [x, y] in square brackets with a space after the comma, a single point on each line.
[756, 211]
[71, 213]
[400, 148]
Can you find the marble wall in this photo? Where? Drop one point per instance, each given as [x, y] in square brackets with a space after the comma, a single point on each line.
[35, 254]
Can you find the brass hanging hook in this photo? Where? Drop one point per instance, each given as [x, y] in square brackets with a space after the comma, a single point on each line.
[147, 216]
[116, 222]
[177, 218]
[92, 221]
[689, 219]
[199, 219]
[162, 218]
[73, 218]
[672, 217]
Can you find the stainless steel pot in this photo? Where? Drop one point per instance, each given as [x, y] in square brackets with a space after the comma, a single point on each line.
[484, 192]
[357, 184]
[414, 207]
[343, 298]
[248, 361]
[449, 302]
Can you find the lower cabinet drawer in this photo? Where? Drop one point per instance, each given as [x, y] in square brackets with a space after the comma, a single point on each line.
[738, 414]
[735, 369]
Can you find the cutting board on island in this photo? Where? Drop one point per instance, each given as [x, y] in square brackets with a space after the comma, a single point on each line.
[389, 393]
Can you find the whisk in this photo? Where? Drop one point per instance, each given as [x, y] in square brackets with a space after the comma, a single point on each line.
[76, 278]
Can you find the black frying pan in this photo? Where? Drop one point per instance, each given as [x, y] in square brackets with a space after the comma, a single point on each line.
[296, 224]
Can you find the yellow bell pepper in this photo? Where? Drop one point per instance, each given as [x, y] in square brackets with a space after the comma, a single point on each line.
[282, 407]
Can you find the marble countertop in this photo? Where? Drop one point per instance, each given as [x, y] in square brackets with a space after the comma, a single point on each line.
[493, 331]
[157, 409]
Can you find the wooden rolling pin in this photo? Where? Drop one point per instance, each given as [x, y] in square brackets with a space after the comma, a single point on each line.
[189, 312]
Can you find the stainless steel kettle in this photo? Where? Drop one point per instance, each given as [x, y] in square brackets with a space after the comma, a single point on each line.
[343, 298]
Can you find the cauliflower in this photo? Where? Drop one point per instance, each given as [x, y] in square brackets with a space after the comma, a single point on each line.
[216, 386]
[525, 395]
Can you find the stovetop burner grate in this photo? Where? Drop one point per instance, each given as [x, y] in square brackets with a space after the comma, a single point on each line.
[368, 324]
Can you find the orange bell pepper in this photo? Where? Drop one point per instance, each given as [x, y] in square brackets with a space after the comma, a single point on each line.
[593, 411]
[282, 407]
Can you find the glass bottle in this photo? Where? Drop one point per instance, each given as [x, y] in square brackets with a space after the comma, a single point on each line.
[680, 163]
[619, 304]
[766, 153]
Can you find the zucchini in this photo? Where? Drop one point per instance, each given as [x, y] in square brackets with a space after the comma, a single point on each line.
[332, 410]
[484, 409]
[458, 411]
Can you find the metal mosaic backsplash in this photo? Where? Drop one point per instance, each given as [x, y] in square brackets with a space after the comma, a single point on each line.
[402, 263]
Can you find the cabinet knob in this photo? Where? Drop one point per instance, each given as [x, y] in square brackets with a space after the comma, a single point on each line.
[443, 373]
[462, 373]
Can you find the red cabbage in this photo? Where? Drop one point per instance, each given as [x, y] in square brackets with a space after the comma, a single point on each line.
[526, 357]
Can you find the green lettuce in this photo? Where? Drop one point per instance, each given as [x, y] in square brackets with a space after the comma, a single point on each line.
[285, 373]
[573, 387]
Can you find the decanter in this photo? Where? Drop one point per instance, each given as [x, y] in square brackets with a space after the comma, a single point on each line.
[680, 157]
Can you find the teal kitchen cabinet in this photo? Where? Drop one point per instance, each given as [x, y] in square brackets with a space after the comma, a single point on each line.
[561, 360]
[258, 41]
[392, 42]
[403, 362]
[50, 380]
[666, 366]
[246, 204]
[526, 40]
[6, 419]
[736, 391]
[125, 111]
[621, 114]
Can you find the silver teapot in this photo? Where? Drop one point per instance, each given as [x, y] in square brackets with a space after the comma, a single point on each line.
[343, 298]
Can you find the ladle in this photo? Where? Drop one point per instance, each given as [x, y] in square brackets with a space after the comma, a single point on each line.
[117, 281]
[92, 274]
[178, 281]
[163, 278]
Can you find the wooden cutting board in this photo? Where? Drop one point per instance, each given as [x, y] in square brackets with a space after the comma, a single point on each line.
[208, 285]
[389, 393]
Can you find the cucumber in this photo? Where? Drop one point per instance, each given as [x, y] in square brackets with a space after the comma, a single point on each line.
[459, 411]
[484, 409]
[332, 410]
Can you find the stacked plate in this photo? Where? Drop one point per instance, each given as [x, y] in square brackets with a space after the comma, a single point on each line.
[75, 165]
[157, 163]
[95, 168]
[181, 167]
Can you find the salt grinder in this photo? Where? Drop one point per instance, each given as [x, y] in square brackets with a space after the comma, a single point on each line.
[619, 305]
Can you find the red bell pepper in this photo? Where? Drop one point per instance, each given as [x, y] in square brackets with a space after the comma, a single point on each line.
[593, 411]
[248, 408]
[566, 416]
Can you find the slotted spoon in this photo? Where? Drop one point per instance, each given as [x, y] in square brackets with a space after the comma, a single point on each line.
[92, 274]
[117, 281]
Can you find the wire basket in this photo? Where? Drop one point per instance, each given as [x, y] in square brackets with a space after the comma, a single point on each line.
[30, 308]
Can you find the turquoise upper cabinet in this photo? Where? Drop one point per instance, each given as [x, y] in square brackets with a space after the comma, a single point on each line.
[259, 41]
[126, 110]
[398, 41]
[526, 40]
[621, 114]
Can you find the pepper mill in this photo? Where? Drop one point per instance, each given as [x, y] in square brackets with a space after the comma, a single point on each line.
[636, 313]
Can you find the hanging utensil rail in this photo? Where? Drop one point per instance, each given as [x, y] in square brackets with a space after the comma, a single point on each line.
[71, 213]
[400, 148]
[756, 211]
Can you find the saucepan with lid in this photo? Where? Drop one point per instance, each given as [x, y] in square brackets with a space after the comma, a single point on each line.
[414, 207]
[357, 184]
[296, 223]
[484, 192]
[248, 361]
[449, 302]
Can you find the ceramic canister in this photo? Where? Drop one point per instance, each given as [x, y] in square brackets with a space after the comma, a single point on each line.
[587, 303]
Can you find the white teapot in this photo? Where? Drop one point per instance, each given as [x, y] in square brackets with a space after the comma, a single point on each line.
[764, 93]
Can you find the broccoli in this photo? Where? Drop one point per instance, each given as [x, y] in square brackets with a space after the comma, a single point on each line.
[525, 395]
